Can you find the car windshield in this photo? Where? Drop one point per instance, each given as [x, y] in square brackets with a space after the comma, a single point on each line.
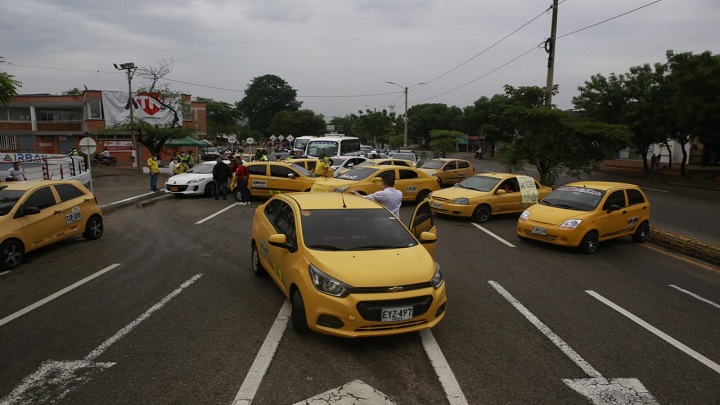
[574, 198]
[432, 164]
[354, 229]
[359, 173]
[201, 169]
[8, 199]
[479, 183]
[404, 156]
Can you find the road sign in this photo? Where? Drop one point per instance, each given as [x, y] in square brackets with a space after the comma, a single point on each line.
[281, 137]
[290, 138]
[88, 145]
[273, 137]
[250, 141]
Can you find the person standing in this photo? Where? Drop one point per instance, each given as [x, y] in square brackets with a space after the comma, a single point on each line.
[189, 160]
[221, 175]
[16, 173]
[389, 197]
[242, 175]
[154, 169]
[172, 166]
[323, 167]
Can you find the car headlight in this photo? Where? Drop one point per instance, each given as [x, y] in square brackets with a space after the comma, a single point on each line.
[432, 173]
[570, 224]
[437, 279]
[326, 284]
[524, 216]
[461, 201]
[195, 181]
[339, 189]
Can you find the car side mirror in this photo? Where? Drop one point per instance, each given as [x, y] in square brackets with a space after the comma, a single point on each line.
[291, 175]
[25, 211]
[377, 180]
[501, 191]
[427, 237]
[280, 240]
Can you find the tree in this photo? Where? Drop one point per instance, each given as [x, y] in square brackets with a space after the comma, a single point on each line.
[8, 86]
[424, 118]
[297, 123]
[222, 117]
[74, 92]
[555, 142]
[264, 97]
[374, 127]
[444, 142]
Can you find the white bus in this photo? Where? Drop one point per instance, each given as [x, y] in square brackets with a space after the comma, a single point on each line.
[334, 146]
[301, 142]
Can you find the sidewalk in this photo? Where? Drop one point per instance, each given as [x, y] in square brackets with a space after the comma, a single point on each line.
[113, 184]
[707, 177]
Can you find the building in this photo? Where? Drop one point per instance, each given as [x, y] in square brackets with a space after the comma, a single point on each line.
[39, 124]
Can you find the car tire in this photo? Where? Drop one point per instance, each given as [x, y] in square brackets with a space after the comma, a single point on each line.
[589, 243]
[94, 163]
[93, 228]
[422, 196]
[209, 189]
[298, 316]
[642, 233]
[257, 267]
[482, 213]
[12, 254]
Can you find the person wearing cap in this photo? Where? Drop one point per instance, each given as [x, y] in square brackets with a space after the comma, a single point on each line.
[154, 169]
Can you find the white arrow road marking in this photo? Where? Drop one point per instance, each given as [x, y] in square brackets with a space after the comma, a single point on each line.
[705, 300]
[352, 393]
[57, 294]
[216, 214]
[447, 378]
[56, 379]
[492, 234]
[597, 389]
[697, 356]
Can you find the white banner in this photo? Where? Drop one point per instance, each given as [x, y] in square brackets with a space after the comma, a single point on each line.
[146, 107]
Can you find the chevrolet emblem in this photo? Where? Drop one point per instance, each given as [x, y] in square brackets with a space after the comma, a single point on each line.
[395, 289]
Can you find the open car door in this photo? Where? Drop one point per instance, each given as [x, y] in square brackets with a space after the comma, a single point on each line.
[422, 222]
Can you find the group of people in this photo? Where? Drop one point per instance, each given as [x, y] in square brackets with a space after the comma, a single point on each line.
[181, 164]
[235, 171]
[655, 163]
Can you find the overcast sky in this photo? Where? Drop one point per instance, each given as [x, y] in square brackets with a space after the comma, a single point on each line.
[338, 54]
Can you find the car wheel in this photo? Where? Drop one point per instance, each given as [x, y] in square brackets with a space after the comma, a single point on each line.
[94, 162]
[589, 243]
[642, 233]
[257, 268]
[299, 319]
[93, 228]
[12, 252]
[209, 189]
[481, 213]
[422, 196]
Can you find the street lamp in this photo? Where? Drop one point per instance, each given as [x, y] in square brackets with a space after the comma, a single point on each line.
[130, 67]
[405, 88]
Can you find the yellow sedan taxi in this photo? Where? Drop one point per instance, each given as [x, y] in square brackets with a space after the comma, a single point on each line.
[582, 214]
[349, 267]
[34, 214]
[448, 171]
[480, 196]
[270, 178]
[414, 184]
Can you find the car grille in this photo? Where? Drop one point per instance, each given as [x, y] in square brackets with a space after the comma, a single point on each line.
[433, 198]
[391, 326]
[546, 238]
[176, 189]
[376, 290]
[372, 310]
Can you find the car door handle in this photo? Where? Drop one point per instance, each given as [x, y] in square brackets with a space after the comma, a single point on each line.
[56, 212]
[624, 212]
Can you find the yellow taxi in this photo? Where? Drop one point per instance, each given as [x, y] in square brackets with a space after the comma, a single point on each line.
[270, 178]
[448, 171]
[582, 214]
[34, 214]
[307, 163]
[377, 162]
[348, 266]
[414, 184]
[480, 196]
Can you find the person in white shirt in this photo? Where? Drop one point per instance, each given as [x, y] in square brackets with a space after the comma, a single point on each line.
[171, 167]
[106, 152]
[16, 173]
[389, 196]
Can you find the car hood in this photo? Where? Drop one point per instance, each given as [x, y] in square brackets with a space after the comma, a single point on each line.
[453, 193]
[545, 214]
[186, 177]
[377, 268]
[327, 184]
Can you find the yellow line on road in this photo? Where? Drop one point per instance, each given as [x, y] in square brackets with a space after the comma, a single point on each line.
[683, 258]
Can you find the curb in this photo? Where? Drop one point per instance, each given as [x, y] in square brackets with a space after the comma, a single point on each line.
[686, 245]
[142, 199]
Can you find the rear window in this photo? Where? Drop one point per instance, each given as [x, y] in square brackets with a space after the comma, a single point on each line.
[258, 170]
[635, 197]
[68, 192]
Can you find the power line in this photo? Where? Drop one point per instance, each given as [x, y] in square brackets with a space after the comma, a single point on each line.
[609, 19]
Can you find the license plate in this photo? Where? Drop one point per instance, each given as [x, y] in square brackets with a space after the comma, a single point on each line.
[397, 314]
[539, 231]
[173, 189]
[435, 205]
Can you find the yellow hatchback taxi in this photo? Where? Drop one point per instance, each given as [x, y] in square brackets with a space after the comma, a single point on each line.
[34, 214]
[270, 178]
[582, 214]
[448, 171]
[480, 196]
[348, 266]
[414, 184]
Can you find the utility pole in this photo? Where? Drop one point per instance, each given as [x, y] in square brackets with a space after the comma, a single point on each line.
[550, 49]
[130, 67]
[405, 88]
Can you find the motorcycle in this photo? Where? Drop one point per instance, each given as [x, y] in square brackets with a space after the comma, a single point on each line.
[479, 154]
[104, 160]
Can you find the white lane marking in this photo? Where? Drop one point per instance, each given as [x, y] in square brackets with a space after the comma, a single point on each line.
[130, 199]
[55, 295]
[692, 353]
[447, 378]
[492, 234]
[705, 300]
[555, 339]
[216, 214]
[257, 371]
[654, 189]
[129, 327]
